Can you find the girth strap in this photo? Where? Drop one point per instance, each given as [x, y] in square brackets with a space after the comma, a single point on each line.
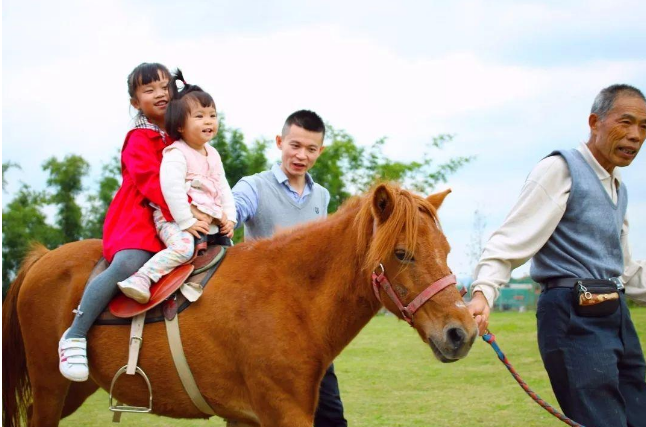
[181, 364]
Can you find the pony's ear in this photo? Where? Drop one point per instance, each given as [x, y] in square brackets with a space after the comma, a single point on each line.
[437, 198]
[383, 203]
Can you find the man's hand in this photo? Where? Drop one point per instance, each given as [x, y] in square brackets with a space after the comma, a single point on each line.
[201, 216]
[479, 309]
[227, 229]
[198, 227]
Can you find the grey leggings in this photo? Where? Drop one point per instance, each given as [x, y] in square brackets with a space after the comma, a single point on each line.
[100, 291]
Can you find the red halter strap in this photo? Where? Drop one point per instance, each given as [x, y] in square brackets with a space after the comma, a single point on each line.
[380, 280]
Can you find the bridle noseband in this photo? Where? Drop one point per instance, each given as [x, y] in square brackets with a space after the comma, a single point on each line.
[380, 280]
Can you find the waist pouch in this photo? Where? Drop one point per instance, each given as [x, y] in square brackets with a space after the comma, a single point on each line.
[595, 298]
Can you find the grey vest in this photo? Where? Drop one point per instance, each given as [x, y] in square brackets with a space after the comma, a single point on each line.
[586, 243]
[276, 210]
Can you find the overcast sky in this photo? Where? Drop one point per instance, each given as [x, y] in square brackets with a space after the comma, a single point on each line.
[512, 80]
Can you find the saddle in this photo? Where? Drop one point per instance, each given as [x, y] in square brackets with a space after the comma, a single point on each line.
[165, 300]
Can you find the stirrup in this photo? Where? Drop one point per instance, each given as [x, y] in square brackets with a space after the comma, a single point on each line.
[127, 408]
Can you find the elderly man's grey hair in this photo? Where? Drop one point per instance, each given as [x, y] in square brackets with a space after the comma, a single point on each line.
[606, 98]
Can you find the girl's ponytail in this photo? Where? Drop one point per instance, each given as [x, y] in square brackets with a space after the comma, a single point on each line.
[187, 88]
[179, 106]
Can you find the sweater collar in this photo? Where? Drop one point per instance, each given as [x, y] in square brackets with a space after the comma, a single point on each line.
[601, 173]
[282, 178]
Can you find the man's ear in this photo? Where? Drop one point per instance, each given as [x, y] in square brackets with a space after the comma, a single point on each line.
[383, 203]
[593, 121]
[437, 198]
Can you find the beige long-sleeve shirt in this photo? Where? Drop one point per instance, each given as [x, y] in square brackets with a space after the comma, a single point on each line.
[533, 219]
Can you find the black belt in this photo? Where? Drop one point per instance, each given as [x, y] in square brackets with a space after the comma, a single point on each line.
[570, 282]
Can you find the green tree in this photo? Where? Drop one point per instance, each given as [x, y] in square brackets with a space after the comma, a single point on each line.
[65, 178]
[238, 159]
[24, 222]
[5, 168]
[100, 200]
[346, 168]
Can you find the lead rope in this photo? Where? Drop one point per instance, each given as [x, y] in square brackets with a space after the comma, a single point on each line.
[490, 339]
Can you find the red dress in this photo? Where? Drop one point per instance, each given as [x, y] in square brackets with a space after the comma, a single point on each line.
[129, 221]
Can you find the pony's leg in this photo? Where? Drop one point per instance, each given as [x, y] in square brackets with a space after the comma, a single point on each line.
[240, 424]
[77, 394]
[49, 399]
[287, 414]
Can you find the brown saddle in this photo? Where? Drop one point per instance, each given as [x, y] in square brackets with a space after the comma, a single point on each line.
[166, 301]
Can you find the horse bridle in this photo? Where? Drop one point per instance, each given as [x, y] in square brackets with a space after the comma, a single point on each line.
[380, 280]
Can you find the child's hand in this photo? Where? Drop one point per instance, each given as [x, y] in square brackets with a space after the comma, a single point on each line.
[198, 227]
[198, 214]
[221, 222]
[227, 229]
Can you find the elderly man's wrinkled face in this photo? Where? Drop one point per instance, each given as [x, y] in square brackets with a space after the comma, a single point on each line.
[617, 138]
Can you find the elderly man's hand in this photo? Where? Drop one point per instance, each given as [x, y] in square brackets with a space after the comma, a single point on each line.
[479, 309]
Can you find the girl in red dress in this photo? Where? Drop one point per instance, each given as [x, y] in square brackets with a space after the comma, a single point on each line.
[129, 235]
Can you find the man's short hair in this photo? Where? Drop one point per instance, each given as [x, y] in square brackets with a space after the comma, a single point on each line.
[305, 119]
[606, 98]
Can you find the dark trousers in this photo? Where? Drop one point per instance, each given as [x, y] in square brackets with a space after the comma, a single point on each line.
[595, 364]
[330, 410]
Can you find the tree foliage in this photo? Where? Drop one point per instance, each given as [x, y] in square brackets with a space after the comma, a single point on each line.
[5, 168]
[100, 200]
[24, 222]
[346, 168]
[65, 178]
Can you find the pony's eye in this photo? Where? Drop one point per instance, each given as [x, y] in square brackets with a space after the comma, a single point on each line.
[402, 255]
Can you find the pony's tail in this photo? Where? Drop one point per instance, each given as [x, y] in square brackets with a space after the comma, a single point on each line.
[16, 388]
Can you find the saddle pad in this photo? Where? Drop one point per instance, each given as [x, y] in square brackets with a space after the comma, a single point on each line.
[156, 314]
[122, 306]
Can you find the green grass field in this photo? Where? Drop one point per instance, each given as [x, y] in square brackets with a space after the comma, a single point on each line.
[389, 377]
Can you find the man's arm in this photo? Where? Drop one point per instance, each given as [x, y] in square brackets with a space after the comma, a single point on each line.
[634, 277]
[245, 195]
[526, 229]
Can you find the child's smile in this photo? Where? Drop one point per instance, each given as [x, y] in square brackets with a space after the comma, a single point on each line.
[200, 127]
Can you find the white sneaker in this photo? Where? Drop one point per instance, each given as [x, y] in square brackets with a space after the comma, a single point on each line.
[136, 287]
[72, 355]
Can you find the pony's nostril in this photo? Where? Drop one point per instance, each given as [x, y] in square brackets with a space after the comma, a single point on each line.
[456, 337]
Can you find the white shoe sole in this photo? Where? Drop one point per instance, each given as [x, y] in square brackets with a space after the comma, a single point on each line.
[135, 294]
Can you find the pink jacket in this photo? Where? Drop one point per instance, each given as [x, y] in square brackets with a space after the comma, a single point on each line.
[203, 173]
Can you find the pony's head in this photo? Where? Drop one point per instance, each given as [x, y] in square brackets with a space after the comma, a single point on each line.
[406, 245]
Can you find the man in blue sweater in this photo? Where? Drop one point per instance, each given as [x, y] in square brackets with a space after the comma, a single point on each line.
[285, 196]
[571, 220]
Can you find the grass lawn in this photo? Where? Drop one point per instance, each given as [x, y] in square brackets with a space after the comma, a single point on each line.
[388, 377]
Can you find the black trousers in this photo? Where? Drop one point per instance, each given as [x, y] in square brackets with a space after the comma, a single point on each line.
[595, 364]
[330, 410]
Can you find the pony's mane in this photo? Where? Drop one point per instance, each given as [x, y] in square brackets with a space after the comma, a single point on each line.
[404, 217]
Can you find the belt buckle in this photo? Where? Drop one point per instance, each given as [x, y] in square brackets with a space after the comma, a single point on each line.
[618, 283]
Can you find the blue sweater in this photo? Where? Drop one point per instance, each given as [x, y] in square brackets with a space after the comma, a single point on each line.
[587, 241]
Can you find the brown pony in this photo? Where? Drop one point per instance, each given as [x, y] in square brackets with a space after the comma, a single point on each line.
[269, 323]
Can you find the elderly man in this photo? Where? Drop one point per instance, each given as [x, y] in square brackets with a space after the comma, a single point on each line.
[571, 219]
